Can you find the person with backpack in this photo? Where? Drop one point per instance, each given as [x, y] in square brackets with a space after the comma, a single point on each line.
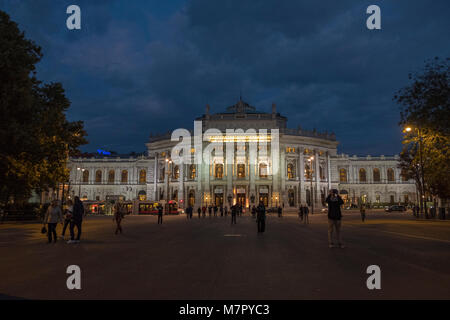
[52, 217]
[67, 217]
[334, 202]
[77, 220]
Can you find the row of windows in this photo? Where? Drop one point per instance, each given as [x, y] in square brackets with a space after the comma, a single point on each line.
[376, 174]
[112, 176]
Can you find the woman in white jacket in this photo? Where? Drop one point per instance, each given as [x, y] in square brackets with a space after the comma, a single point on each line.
[52, 217]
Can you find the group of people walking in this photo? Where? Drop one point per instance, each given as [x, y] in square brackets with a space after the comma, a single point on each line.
[70, 216]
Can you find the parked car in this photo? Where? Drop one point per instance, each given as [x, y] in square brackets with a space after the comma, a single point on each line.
[395, 208]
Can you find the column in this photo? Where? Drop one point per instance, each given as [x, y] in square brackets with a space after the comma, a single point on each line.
[181, 186]
[282, 170]
[155, 177]
[301, 166]
[317, 176]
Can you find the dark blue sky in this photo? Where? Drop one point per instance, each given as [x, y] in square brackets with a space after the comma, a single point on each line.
[138, 67]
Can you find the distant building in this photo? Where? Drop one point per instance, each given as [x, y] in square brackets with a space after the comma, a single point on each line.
[308, 166]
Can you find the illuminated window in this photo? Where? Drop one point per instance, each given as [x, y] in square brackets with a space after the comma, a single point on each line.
[176, 172]
[111, 176]
[342, 175]
[376, 175]
[142, 176]
[290, 150]
[192, 150]
[290, 171]
[362, 175]
[308, 170]
[86, 176]
[404, 175]
[192, 171]
[263, 170]
[218, 171]
[124, 177]
[98, 176]
[241, 170]
[390, 175]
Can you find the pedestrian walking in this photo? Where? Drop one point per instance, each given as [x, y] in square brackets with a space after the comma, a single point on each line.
[160, 214]
[334, 202]
[199, 211]
[234, 212]
[362, 211]
[280, 212]
[215, 210]
[77, 220]
[52, 217]
[261, 217]
[210, 211]
[204, 211]
[68, 211]
[300, 212]
[306, 214]
[118, 216]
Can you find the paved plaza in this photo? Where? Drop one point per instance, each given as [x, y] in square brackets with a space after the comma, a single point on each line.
[211, 259]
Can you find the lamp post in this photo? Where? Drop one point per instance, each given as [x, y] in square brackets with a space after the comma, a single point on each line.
[79, 184]
[311, 194]
[422, 175]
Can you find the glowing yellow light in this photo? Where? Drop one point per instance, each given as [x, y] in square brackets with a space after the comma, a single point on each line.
[408, 129]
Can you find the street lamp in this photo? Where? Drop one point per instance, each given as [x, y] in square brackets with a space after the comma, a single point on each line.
[79, 184]
[311, 194]
[422, 176]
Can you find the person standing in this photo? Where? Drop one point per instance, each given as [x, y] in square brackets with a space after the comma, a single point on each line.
[67, 217]
[52, 217]
[215, 210]
[300, 212]
[221, 211]
[334, 202]
[261, 217]
[226, 211]
[160, 214]
[362, 211]
[306, 214]
[204, 211]
[280, 212]
[199, 211]
[118, 217]
[210, 211]
[77, 219]
[234, 211]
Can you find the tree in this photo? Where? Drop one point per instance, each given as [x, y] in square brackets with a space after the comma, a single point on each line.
[425, 115]
[36, 139]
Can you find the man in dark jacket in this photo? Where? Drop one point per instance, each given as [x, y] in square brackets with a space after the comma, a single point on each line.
[261, 217]
[160, 214]
[77, 219]
[234, 211]
[334, 202]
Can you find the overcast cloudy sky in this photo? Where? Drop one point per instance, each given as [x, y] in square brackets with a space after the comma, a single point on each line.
[138, 67]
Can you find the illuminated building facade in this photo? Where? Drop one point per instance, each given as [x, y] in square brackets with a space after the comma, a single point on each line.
[304, 168]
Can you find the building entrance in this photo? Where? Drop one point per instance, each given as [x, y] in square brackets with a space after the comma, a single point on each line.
[264, 198]
[240, 199]
[218, 199]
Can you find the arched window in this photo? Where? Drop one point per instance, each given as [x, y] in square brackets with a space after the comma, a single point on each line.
[191, 198]
[86, 176]
[142, 176]
[124, 176]
[342, 175]
[362, 175]
[290, 171]
[111, 176]
[176, 172]
[390, 175]
[404, 175]
[98, 176]
[376, 175]
[241, 170]
[192, 171]
[263, 170]
[308, 171]
[218, 171]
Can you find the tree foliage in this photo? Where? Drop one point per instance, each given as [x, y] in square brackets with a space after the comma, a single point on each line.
[35, 136]
[425, 108]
